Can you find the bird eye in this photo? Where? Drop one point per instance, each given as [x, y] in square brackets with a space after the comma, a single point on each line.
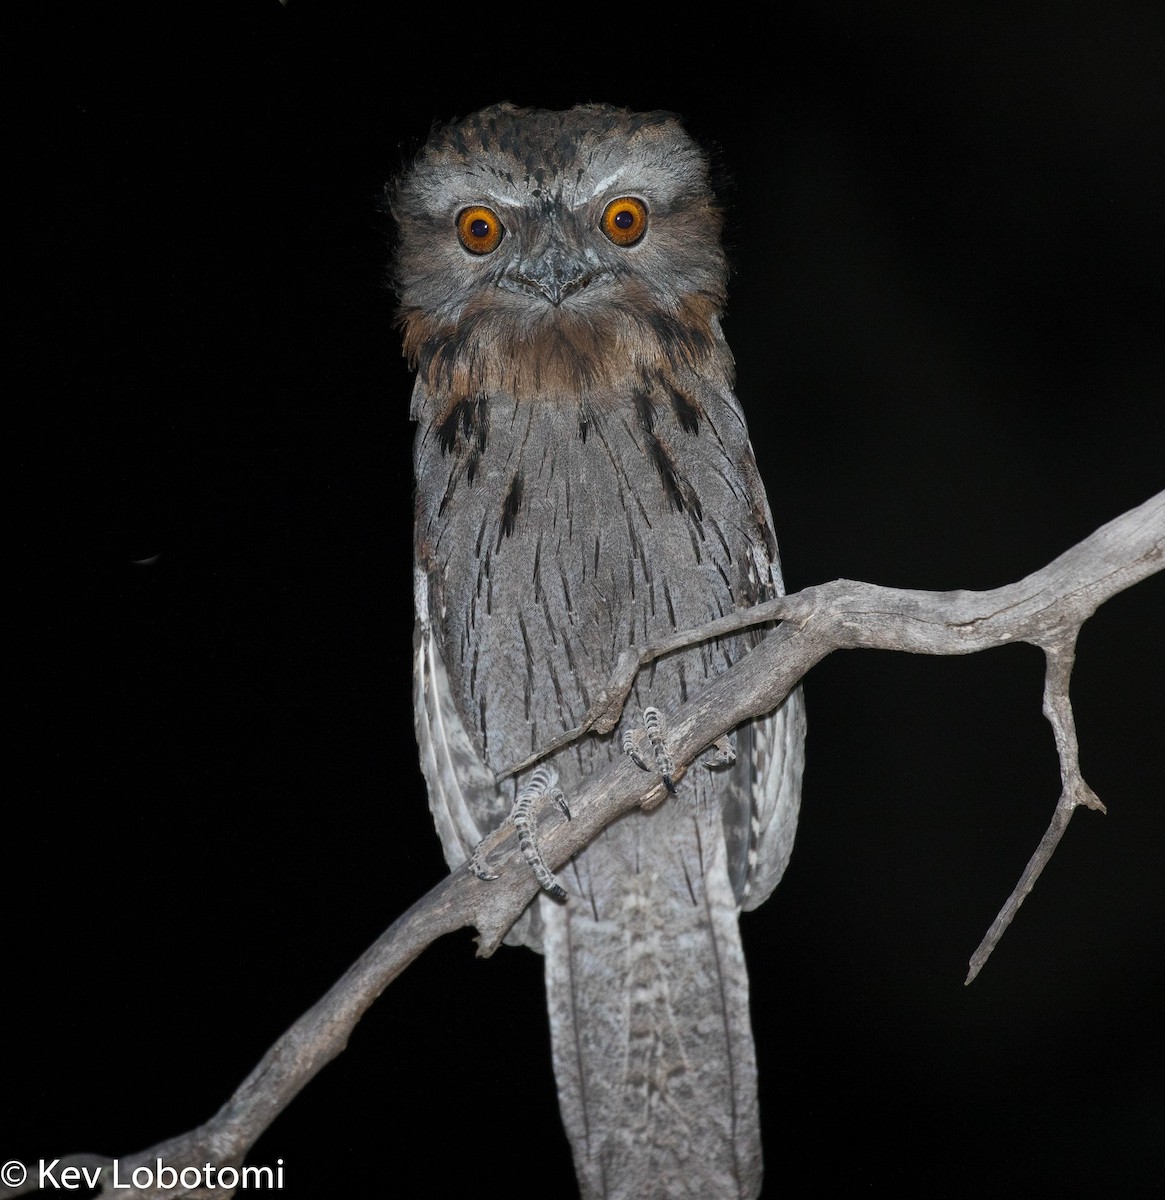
[480, 229]
[625, 220]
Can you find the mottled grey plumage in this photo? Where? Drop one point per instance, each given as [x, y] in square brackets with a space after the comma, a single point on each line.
[585, 482]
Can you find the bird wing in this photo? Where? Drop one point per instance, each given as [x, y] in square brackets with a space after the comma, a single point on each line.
[775, 761]
[464, 797]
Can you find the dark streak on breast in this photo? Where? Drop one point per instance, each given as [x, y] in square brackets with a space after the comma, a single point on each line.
[560, 699]
[447, 429]
[551, 627]
[688, 881]
[727, 583]
[723, 540]
[529, 663]
[671, 611]
[467, 420]
[661, 457]
[730, 483]
[687, 412]
[580, 683]
[510, 507]
[450, 488]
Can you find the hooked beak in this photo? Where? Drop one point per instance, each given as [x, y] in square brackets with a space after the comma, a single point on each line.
[553, 277]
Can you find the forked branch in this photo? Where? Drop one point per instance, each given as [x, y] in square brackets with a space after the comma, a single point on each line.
[1046, 609]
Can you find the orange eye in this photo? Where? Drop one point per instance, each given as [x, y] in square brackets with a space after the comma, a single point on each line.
[625, 220]
[480, 229]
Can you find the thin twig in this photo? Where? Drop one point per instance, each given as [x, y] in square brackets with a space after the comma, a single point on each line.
[603, 715]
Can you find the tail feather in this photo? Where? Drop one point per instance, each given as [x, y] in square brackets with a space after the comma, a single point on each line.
[648, 997]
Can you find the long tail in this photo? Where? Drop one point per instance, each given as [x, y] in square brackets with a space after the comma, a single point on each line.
[648, 998]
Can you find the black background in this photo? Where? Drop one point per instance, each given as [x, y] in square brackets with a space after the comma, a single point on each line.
[947, 312]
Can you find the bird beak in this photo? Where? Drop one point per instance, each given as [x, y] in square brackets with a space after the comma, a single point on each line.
[552, 275]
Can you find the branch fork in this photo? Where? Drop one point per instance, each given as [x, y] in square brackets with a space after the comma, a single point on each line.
[1046, 609]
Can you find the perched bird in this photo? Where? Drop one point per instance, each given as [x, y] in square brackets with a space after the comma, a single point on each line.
[585, 482]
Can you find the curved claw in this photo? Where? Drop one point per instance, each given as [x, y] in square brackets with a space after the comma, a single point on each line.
[651, 739]
[477, 865]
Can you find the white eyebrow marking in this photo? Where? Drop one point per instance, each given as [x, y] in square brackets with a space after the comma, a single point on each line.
[605, 183]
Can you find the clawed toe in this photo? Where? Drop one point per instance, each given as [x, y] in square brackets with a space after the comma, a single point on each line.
[543, 781]
[648, 749]
[477, 864]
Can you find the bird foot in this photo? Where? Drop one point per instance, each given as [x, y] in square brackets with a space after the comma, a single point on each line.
[543, 782]
[648, 749]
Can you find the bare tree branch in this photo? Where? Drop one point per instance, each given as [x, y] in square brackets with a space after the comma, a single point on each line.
[1046, 609]
[1059, 657]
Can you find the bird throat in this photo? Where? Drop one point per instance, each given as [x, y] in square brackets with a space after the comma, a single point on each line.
[563, 354]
